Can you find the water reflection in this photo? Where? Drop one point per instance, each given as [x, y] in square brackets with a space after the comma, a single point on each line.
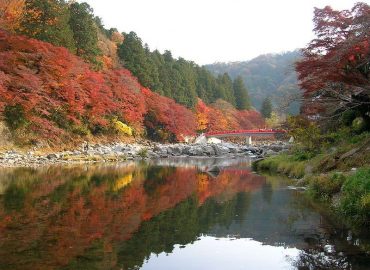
[123, 216]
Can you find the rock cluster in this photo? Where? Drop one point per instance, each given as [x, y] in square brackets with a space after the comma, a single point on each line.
[122, 152]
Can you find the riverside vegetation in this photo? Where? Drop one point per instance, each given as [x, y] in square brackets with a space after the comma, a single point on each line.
[336, 172]
[332, 151]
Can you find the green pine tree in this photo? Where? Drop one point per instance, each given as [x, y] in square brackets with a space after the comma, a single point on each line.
[241, 94]
[266, 108]
[136, 59]
[85, 34]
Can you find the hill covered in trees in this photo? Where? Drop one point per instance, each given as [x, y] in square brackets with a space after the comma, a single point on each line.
[182, 80]
[270, 75]
[65, 78]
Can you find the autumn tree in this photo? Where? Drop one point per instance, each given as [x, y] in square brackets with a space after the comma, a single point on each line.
[48, 20]
[10, 13]
[202, 112]
[334, 72]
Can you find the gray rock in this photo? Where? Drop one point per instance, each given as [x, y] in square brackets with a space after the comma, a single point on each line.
[220, 150]
[195, 151]
[175, 150]
[52, 156]
[208, 150]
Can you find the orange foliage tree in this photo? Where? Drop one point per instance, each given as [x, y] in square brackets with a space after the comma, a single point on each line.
[59, 92]
[222, 116]
[167, 120]
[10, 13]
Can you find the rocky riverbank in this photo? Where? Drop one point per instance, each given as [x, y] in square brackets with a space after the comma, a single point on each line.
[115, 152]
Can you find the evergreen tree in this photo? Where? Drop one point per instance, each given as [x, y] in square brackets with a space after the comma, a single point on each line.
[224, 89]
[85, 33]
[47, 20]
[137, 60]
[241, 94]
[266, 108]
[181, 80]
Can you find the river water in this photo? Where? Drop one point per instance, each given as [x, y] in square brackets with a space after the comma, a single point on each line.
[166, 214]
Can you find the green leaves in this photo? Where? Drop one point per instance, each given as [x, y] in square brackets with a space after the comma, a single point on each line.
[48, 20]
[84, 32]
[241, 94]
[266, 108]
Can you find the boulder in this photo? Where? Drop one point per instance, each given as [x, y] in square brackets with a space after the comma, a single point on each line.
[196, 151]
[220, 150]
[208, 150]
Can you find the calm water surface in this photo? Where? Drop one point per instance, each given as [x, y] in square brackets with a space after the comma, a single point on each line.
[166, 215]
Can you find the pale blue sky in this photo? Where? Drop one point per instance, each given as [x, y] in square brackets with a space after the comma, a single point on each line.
[208, 31]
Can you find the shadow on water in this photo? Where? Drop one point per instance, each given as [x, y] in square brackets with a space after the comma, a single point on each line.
[126, 216]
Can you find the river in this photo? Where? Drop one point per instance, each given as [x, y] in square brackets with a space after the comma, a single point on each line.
[166, 214]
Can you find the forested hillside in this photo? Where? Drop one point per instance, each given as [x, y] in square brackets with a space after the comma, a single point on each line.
[182, 80]
[270, 75]
[65, 78]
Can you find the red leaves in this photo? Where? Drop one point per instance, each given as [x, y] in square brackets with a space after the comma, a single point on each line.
[336, 64]
[339, 51]
[171, 116]
[44, 79]
[58, 89]
[222, 116]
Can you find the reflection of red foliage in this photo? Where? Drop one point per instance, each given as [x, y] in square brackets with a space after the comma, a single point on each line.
[86, 215]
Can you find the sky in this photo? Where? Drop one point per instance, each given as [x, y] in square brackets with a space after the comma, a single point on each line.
[208, 31]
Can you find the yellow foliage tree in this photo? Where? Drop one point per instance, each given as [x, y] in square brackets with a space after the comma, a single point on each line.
[10, 13]
[274, 121]
[122, 128]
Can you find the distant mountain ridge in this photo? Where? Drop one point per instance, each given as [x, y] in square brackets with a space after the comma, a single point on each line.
[268, 75]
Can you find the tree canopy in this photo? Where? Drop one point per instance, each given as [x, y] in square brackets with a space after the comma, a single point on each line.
[334, 72]
[266, 108]
[48, 20]
[182, 80]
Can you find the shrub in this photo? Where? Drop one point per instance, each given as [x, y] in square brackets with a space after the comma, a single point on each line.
[325, 186]
[14, 116]
[301, 155]
[81, 130]
[305, 132]
[283, 164]
[143, 153]
[348, 117]
[355, 202]
[121, 128]
[358, 124]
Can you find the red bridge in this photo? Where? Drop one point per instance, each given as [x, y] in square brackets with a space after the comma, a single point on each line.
[246, 132]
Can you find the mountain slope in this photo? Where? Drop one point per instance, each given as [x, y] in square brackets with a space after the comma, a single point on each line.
[48, 94]
[267, 75]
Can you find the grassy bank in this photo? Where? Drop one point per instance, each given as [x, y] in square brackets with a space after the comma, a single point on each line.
[337, 172]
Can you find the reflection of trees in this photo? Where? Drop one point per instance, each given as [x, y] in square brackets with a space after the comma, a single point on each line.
[180, 225]
[14, 197]
[319, 259]
[75, 218]
[267, 192]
